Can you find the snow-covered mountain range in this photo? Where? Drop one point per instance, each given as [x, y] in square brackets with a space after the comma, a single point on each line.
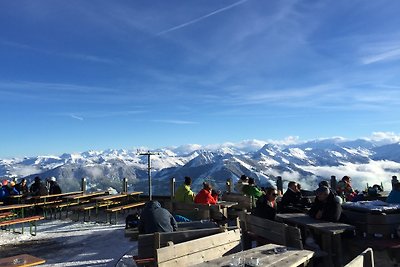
[308, 163]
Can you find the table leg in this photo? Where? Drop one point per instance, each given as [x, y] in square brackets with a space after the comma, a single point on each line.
[337, 245]
[326, 243]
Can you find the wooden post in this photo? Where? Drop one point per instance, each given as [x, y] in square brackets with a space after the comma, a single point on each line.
[229, 185]
[333, 183]
[394, 180]
[279, 184]
[172, 187]
[84, 185]
[125, 185]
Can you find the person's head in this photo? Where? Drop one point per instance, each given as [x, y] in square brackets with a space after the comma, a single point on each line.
[23, 181]
[52, 179]
[207, 186]
[188, 180]
[4, 182]
[251, 181]
[244, 178]
[323, 183]
[37, 179]
[322, 193]
[11, 184]
[271, 193]
[293, 185]
[346, 179]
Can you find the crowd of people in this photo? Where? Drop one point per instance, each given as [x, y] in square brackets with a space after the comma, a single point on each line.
[37, 188]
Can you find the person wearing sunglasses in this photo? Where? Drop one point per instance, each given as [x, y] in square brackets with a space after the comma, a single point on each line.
[266, 205]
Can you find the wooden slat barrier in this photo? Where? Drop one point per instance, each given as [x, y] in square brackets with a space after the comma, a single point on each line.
[199, 250]
[244, 202]
[365, 259]
[273, 232]
[147, 245]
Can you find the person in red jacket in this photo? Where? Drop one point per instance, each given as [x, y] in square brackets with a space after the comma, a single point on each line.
[205, 196]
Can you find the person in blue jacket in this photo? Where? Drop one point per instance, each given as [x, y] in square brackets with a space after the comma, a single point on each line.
[394, 196]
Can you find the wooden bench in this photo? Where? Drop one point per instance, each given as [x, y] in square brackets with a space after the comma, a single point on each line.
[263, 231]
[31, 220]
[199, 250]
[87, 209]
[7, 215]
[124, 207]
[196, 212]
[365, 259]
[149, 243]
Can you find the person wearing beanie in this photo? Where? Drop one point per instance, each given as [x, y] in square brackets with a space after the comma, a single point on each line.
[325, 207]
[54, 187]
[38, 188]
[244, 180]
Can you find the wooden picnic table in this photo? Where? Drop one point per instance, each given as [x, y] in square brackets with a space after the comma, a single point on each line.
[23, 260]
[268, 255]
[80, 196]
[329, 231]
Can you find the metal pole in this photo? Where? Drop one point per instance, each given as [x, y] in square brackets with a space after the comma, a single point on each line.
[172, 187]
[125, 185]
[149, 172]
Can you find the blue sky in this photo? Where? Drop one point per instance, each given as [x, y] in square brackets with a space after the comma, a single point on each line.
[79, 75]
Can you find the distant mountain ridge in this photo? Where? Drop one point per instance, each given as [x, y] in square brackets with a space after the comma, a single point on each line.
[307, 163]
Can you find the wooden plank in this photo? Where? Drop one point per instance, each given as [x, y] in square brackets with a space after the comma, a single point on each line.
[244, 202]
[365, 259]
[21, 220]
[270, 230]
[21, 260]
[146, 247]
[199, 250]
[124, 207]
[293, 237]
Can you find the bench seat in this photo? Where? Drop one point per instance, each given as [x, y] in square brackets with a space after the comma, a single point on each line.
[6, 215]
[117, 209]
[32, 220]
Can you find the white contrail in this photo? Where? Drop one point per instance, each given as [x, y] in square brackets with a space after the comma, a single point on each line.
[202, 17]
[76, 117]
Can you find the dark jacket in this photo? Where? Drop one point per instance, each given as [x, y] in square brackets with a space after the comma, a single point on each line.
[22, 189]
[264, 210]
[38, 188]
[291, 201]
[154, 218]
[331, 209]
[54, 188]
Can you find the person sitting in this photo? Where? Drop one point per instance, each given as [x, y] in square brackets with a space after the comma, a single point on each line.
[38, 188]
[266, 205]
[154, 219]
[22, 187]
[184, 193]
[205, 196]
[291, 200]
[394, 195]
[244, 180]
[325, 206]
[54, 187]
[345, 190]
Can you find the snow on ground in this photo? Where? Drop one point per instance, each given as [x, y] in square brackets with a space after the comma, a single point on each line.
[69, 243]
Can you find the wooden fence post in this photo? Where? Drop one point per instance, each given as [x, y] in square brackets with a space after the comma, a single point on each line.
[394, 180]
[84, 185]
[229, 185]
[279, 184]
[125, 185]
[333, 183]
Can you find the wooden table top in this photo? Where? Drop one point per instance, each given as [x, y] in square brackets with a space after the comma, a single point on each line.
[15, 206]
[268, 255]
[227, 204]
[319, 225]
[112, 197]
[85, 195]
[24, 260]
